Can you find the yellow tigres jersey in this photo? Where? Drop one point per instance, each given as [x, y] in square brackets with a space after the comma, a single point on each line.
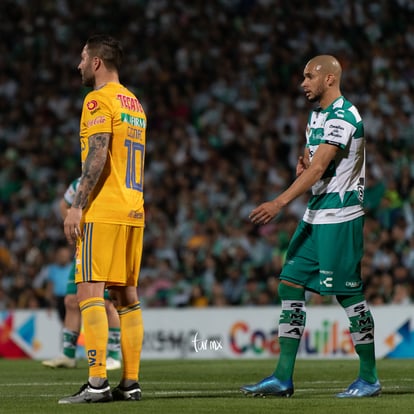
[118, 196]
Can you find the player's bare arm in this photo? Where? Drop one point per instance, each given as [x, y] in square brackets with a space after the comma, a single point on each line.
[321, 159]
[303, 162]
[91, 171]
[63, 207]
[92, 168]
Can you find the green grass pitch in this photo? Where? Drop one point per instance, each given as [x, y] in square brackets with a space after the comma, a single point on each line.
[209, 386]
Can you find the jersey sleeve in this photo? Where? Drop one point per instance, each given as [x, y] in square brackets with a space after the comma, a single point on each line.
[338, 129]
[70, 192]
[96, 114]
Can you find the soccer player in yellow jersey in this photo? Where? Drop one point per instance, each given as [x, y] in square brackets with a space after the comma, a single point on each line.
[106, 219]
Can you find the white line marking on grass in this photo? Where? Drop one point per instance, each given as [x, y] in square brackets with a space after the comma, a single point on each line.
[193, 383]
[38, 384]
[193, 392]
[199, 393]
[340, 382]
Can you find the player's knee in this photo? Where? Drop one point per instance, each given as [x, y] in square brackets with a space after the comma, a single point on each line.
[111, 304]
[289, 291]
[71, 302]
[342, 300]
[347, 301]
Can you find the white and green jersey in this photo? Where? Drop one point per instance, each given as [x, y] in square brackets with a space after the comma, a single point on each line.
[338, 196]
[70, 192]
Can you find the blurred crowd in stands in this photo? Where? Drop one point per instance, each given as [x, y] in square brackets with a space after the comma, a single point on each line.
[220, 82]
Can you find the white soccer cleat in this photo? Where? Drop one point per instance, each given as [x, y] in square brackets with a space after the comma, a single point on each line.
[60, 362]
[112, 364]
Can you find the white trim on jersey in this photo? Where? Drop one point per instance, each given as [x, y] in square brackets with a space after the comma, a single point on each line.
[332, 215]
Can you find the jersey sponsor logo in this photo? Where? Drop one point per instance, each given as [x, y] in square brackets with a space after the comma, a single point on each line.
[315, 137]
[335, 131]
[133, 120]
[96, 121]
[130, 103]
[91, 105]
[337, 127]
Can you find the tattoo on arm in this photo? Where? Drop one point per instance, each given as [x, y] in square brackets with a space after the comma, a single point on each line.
[92, 167]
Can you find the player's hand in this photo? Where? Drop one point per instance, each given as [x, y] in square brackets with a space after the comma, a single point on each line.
[301, 166]
[265, 212]
[71, 224]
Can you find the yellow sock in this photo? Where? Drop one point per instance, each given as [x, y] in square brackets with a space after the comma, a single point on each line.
[95, 323]
[132, 335]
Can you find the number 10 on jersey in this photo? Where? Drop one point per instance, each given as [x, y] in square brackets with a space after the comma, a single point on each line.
[135, 165]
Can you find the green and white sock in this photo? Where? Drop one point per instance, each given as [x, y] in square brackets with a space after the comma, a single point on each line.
[114, 343]
[362, 333]
[70, 339]
[291, 326]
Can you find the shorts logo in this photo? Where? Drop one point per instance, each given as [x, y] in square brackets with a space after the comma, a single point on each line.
[352, 284]
[327, 282]
[135, 214]
[91, 105]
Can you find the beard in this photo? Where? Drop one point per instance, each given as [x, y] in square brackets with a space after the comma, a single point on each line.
[88, 79]
[317, 94]
[314, 98]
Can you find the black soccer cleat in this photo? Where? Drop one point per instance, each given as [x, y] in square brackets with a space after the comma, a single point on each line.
[131, 393]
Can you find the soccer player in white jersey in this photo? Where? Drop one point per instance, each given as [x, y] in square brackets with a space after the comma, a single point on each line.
[325, 252]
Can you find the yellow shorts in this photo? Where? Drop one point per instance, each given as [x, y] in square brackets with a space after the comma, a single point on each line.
[109, 253]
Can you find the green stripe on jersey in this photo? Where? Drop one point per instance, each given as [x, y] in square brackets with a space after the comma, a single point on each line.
[333, 200]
